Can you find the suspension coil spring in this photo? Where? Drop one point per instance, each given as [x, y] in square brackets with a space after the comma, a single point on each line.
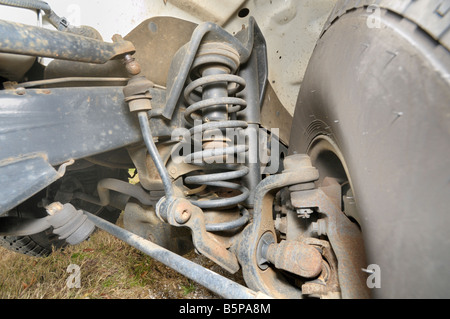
[212, 102]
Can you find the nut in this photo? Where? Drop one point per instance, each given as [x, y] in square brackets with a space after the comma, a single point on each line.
[21, 91]
[320, 227]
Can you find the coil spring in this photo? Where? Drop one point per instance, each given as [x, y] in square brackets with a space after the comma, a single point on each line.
[225, 61]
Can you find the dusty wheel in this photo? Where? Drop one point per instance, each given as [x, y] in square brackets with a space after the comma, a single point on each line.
[374, 109]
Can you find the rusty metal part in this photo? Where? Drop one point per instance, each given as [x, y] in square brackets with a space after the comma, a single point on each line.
[150, 38]
[60, 69]
[295, 257]
[159, 38]
[344, 235]
[142, 220]
[131, 65]
[212, 76]
[180, 212]
[24, 39]
[327, 284]
[298, 169]
[148, 174]
[211, 95]
[73, 79]
[137, 93]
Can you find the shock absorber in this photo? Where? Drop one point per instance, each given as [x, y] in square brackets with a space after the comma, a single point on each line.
[211, 96]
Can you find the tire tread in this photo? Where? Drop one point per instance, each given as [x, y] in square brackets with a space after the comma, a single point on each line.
[24, 245]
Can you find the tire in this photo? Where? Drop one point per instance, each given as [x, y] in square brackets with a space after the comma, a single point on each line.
[374, 109]
[37, 245]
[42, 244]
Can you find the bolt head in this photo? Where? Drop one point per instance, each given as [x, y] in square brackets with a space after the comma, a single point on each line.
[319, 227]
[53, 208]
[21, 91]
[182, 216]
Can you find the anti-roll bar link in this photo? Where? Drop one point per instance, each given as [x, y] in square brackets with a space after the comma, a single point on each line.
[218, 284]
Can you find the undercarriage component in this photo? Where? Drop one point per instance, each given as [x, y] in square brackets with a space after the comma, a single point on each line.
[189, 55]
[180, 212]
[326, 285]
[345, 236]
[293, 256]
[66, 222]
[137, 91]
[297, 170]
[30, 116]
[214, 154]
[104, 188]
[216, 85]
[24, 176]
[142, 221]
[298, 253]
[295, 229]
[211, 95]
[211, 280]
[154, 154]
[167, 34]
[46, 124]
[28, 40]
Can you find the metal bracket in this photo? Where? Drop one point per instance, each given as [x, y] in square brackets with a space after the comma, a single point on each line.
[298, 169]
[344, 235]
[180, 212]
[24, 176]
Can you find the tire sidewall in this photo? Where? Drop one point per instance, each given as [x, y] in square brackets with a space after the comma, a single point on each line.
[382, 97]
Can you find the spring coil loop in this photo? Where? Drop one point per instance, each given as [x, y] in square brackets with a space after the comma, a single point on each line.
[210, 158]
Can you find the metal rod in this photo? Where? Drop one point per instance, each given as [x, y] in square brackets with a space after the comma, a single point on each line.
[218, 284]
[67, 80]
[24, 39]
[153, 151]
